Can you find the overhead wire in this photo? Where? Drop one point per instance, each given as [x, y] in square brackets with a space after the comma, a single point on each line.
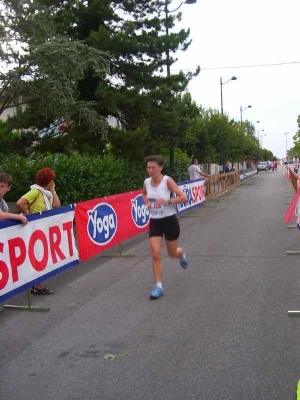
[245, 66]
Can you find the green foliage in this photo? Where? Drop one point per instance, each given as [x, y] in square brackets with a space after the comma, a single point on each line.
[178, 169]
[212, 137]
[295, 150]
[13, 142]
[78, 177]
[82, 177]
[45, 67]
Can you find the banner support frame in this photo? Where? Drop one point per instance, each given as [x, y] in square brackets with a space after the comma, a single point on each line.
[119, 254]
[28, 307]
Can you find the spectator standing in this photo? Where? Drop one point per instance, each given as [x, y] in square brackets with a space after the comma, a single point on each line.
[195, 172]
[41, 197]
[296, 164]
[228, 167]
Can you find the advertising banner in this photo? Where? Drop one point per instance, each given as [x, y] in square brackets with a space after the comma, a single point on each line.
[104, 222]
[194, 191]
[247, 174]
[36, 251]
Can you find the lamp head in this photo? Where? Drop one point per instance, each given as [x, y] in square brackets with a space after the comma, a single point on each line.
[249, 107]
[190, 1]
[234, 78]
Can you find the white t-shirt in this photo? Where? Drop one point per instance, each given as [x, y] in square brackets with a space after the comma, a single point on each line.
[194, 171]
[3, 205]
[159, 192]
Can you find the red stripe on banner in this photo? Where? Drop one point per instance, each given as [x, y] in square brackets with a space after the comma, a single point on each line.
[104, 222]
[290, 215]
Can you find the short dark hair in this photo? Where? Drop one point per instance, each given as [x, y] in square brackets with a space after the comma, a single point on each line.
[193, 160]
[157, 159]
[4, 177]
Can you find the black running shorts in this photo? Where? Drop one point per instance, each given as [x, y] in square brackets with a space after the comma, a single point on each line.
[168, 227]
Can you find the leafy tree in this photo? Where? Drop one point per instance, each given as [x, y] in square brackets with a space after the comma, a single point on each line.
[45, 66]
[249, 128]
[295, 150]
[138, 37]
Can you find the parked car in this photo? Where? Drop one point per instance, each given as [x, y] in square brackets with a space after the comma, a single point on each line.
[262, 166]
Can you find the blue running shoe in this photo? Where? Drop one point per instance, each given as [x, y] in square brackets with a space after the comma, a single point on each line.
[184, 262]
[157, 292]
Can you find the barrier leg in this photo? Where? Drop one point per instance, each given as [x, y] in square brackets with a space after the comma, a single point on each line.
[293, 252]
[292, 226]
[190, 214]
[119, 254]
[28, 307]
[294, 313]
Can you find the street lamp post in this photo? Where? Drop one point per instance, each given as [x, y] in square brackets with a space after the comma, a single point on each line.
[167, 12]
[233, 78]
[241, 111]
[257, 122]
[286, 154]
[262, 137]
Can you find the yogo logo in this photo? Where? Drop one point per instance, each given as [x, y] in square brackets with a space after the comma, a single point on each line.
[102, 224]
[139, 211]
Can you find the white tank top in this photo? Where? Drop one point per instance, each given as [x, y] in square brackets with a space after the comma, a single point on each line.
[159, 192]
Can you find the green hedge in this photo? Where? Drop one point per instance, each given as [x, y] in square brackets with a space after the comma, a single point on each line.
[82, 177]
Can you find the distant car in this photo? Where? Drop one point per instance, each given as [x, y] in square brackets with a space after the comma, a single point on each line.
[262, 166]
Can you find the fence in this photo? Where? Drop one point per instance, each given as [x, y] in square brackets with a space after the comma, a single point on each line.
[219, 183]
[46, 246]
[294, 178]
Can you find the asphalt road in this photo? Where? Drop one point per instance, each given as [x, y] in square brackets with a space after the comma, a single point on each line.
[221, 331]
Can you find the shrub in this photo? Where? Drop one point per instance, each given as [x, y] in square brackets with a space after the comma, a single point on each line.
[82, 177]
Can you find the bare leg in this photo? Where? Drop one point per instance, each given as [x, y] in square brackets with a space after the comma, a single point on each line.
[173, 250]
[157, 267]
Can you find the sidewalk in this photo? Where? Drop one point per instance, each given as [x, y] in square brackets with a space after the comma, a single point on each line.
[221, 331]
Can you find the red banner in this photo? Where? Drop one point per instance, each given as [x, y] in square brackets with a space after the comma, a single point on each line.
[104, 222]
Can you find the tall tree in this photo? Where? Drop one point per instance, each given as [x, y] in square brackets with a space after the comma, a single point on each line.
[44, 66]
[137, 34]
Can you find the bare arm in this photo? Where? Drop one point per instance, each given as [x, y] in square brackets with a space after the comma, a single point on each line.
[20, 217]
[23, 205]
[172, 185]
[56, 202]
[144, 194]
[205, 175]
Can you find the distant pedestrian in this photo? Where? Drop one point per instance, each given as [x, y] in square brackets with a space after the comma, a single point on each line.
[296, 164]
[41, 197]
[157, 191]
[228, 167]
[195, 172]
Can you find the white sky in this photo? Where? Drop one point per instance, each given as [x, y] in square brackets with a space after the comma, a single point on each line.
[242, 32]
